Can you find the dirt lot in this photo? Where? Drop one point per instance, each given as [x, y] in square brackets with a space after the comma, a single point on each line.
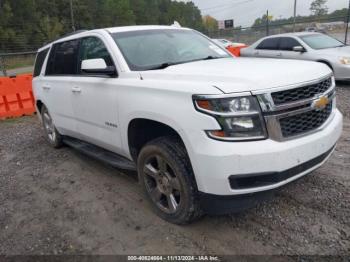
[62, 202]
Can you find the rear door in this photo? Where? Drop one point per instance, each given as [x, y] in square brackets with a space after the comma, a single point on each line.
[56, 85]
[268, 48]
[95, 98]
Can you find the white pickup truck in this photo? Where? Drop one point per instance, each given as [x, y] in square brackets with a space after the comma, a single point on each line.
[206, 132]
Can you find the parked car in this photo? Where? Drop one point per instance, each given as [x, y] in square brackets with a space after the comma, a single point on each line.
[233, 48]
[206, 132]
[223, 42]
[310, 29]
[305, 46]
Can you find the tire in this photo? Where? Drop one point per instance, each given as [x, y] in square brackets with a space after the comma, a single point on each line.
[167, 179]
[53, 137]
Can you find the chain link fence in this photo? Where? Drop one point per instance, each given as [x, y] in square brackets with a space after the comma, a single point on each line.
[335, 27]
[15, 61]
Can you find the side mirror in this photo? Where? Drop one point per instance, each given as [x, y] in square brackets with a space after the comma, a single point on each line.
[299, 48]
[97, 66]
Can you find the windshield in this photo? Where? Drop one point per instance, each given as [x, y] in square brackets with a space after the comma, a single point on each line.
[321, 41]
[158, 49]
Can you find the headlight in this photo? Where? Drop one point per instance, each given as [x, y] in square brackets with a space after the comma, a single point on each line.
[345, 60]
[240, 118]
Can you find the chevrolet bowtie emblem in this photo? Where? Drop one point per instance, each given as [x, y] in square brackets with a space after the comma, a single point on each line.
[320, 103]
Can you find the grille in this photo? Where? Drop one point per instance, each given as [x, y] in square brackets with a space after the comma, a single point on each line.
[304, 122]
[301, 93]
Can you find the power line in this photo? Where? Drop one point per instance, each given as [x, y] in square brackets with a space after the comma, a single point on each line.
[224, 7]
[218, 6]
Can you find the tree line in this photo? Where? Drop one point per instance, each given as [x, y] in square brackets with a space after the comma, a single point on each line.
[319, 12]
[28, 24]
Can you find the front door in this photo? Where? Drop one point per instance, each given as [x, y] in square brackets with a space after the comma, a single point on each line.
[94, 99]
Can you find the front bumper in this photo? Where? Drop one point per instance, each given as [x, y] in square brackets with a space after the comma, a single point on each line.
[218, 205]
[342, 72]
[215, 162]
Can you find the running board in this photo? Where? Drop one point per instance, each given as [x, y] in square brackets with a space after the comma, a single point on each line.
[100, 154]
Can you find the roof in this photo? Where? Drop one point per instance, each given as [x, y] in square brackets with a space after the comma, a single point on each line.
[298, 34]
[82, 33]
[141, 27]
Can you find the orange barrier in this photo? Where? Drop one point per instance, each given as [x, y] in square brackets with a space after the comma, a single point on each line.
[16, 96]
[235, 50]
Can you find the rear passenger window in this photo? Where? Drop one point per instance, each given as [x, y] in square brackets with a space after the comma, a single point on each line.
[269, 44]
[39, 61]
[93, 48]
[63, 58]
[287, 43]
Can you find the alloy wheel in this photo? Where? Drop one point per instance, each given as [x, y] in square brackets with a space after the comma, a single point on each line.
[49, 127]
[162, 184]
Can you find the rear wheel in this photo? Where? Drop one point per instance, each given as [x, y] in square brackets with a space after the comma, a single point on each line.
[167, 179]
[52, 135]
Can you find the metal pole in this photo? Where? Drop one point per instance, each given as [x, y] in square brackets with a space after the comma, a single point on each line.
[72, 14]
[347, 25]
[2, 65]
[267, 22]
[295, 14]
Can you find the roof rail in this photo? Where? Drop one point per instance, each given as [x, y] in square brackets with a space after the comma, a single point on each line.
[65, 35]
[72, 33]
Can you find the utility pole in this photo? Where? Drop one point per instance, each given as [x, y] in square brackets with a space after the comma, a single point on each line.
[3, 65]
[267, 22]
[347, 25]
[295, 14]
[72, 14]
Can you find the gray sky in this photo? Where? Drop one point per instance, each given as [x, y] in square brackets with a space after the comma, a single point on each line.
[244, 12]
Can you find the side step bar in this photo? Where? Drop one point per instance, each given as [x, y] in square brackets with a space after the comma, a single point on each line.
[100, 154]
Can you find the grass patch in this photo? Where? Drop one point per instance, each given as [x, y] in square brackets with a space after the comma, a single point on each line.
[13, 62]
[14, 120]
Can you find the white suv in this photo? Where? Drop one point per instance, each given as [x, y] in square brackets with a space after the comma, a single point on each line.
[207, 133]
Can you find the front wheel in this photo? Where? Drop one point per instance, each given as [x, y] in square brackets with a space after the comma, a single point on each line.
[167, 179]
[52, 135]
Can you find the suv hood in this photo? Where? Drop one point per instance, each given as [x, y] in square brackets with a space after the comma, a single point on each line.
[337, 51]
[242, 74]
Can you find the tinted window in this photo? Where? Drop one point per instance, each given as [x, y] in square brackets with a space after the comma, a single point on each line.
[287, 43]
[269, 44]
[63, 58]
[92, 48]
[39, 61]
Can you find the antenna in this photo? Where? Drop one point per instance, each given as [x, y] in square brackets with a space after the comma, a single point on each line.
[176, 24]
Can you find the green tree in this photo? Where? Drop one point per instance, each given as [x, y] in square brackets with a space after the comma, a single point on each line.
[28, 24]
[319, 8]
[210, 23]
[7, 33]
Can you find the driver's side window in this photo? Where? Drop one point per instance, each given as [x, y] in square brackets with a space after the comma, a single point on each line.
[93, 48]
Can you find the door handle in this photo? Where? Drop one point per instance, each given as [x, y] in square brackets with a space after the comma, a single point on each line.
[76, 89]
[256, 52]
[279, 54]
[46, 87]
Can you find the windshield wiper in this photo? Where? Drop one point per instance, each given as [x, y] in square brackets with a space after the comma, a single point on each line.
[210, 58]
[163, 66]
[167, 64]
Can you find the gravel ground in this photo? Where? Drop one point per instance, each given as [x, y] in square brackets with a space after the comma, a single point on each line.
[62, 202]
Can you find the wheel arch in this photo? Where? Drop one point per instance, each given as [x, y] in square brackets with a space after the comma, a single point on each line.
[326, 62]
[39, 105]
[140, 131]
